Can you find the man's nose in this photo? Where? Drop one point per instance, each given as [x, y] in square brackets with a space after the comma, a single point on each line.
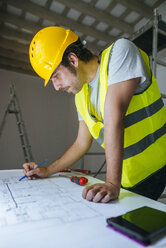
[56, 85]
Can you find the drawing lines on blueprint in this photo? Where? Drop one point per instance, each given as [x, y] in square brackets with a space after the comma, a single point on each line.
[11, 195]
[44, 199]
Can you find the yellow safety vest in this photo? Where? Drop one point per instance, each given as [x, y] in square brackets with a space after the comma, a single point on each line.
[145, 125]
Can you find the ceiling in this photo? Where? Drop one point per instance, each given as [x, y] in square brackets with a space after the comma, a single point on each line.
[99, 22]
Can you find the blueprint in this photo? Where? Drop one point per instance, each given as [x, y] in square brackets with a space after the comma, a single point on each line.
[52, 213]
[42, 199]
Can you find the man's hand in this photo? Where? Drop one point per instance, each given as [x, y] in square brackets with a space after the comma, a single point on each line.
[32, 173]
[101, 192]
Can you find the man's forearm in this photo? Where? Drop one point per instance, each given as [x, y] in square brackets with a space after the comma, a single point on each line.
[114, 136]
[72, 155]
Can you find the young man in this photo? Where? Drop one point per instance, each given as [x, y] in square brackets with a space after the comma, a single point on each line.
[118, 104]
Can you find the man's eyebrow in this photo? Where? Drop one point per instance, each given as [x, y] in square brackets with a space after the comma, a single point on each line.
[53, 73]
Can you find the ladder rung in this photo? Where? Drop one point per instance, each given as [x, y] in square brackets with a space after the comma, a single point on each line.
[13, 111]
[25, 146]
[21, 134]
[19, 122]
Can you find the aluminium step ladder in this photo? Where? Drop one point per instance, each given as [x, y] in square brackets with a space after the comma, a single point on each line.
[13, 107]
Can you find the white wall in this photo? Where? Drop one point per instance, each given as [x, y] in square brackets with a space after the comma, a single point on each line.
[50, 118]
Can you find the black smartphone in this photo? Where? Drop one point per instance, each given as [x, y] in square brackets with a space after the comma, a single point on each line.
[143, 224]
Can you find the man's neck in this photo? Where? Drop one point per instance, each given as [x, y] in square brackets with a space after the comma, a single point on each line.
[89, 69]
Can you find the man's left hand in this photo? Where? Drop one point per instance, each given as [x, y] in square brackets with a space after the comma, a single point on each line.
[101, 192]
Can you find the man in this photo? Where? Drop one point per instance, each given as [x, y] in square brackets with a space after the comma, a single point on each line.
[118, 104]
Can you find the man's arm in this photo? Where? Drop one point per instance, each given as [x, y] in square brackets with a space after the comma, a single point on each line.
[117, 101]
[73, 154]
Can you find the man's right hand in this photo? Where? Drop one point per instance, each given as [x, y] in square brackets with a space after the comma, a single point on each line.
[32, 173]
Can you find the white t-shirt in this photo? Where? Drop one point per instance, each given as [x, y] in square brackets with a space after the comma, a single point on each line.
[125, 63]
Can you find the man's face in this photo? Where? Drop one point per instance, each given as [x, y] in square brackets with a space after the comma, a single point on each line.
[66, 79]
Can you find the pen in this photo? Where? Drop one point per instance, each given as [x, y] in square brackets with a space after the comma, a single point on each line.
[35, 168]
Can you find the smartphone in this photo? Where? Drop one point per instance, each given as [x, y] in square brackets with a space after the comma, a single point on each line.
[143, 224]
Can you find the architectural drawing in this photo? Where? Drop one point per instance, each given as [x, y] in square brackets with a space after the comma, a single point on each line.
[42, 199]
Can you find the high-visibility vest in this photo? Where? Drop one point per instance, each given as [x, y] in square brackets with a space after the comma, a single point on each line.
[145, 125]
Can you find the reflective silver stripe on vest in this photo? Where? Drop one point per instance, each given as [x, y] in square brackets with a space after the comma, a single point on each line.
[143, 113]
[141, 145]
[100, 138]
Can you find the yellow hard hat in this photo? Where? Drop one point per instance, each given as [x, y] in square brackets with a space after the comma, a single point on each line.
[47, 48]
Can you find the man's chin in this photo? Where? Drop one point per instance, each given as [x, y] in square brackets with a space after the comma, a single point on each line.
[73, 92]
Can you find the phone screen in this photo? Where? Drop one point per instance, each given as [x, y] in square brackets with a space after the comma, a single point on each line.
[143, 223]
[148, 219]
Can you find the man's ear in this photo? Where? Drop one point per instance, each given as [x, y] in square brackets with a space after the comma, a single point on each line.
[73, 59]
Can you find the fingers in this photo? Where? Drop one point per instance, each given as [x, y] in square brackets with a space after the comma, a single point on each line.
[106, 199]
[89, 192]
[29, 166]
[33, 173]
[99, 196]
[93, 193]
[85, 191]
[100, 193]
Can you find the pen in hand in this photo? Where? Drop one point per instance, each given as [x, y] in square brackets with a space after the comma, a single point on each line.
[34, 168]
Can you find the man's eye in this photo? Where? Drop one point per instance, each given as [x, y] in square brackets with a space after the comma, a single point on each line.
[54, 76]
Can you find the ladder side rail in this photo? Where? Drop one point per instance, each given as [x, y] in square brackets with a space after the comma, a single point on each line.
[22, 130]
[6, 112]
[21, 134]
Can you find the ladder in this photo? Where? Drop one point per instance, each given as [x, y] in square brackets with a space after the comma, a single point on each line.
[13, 107]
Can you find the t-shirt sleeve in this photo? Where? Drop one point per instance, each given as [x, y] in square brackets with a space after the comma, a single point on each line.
[79, 116]
[125, 63]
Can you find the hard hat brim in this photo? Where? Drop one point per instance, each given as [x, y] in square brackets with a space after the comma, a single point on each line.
[55, 64]
[46, 82]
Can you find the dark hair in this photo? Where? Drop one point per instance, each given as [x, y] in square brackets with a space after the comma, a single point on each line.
[78, 48]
